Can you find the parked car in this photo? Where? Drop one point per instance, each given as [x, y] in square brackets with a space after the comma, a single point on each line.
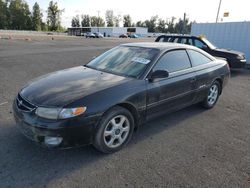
[90, 35]
[133, 36]
[123, 36]
[98, 35]
[103, 102]
[80, 34]
[235, 59]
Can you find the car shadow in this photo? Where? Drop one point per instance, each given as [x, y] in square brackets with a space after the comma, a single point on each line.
[166, 122]
[23, 163]
[240, 72]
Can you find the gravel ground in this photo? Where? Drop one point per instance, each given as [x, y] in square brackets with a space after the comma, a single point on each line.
[190, 148]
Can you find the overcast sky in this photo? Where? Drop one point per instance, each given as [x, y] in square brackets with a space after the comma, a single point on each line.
[198, 10]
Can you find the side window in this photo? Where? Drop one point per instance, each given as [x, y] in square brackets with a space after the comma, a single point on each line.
[187, 41]
[161, 39]
[166, 39]
[198, 58]
[173, 61]
[199, 44]
[183, 40]
[175, 40]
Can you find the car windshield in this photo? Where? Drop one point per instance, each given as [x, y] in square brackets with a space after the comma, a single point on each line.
[210, 45]
[124, 60]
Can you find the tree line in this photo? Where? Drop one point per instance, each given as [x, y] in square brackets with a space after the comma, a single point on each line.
[154, 24]
[16, 15]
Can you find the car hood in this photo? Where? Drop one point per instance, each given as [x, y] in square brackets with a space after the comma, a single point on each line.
[60, 88]
[232, 52]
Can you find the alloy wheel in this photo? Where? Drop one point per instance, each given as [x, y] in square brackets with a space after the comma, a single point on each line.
[116, 131]
[213, 94]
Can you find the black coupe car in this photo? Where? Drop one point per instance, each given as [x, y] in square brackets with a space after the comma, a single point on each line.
[235, 59]
[102, 103]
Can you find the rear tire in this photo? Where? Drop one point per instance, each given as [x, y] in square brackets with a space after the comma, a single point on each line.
[114, 130]
[213, 94]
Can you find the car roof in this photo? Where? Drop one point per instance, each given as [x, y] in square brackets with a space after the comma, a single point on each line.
[159, 45]
[178, 35]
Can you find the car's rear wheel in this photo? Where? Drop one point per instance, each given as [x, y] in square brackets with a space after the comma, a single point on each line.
[212, 95]
[114, 130]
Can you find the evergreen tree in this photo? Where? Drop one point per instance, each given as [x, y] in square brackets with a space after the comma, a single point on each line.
[85, 21]
[4, 22]
[151, 24]
[171, 25]
[36, 17]
[161, 26]
[75, 22]
[20, 16]
[97, 21]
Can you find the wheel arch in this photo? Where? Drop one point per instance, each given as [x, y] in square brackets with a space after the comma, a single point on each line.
[128, 106]
[220, 80]
[132, 109]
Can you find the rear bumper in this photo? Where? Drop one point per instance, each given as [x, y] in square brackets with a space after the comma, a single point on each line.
[75, 132]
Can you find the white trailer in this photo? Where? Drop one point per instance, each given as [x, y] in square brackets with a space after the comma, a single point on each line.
[229, 35]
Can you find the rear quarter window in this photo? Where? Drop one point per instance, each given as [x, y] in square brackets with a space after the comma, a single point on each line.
[198, 58]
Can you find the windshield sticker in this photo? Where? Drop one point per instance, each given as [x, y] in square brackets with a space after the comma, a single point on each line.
[140, 60]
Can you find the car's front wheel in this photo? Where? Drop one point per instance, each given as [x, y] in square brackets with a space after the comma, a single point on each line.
[212, 95]
[114, 130]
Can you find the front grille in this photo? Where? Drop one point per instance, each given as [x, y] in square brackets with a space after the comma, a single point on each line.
[24, 105]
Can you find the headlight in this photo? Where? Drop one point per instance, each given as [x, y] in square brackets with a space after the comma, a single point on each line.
[59, 113]
[48, 113]
[71, 112]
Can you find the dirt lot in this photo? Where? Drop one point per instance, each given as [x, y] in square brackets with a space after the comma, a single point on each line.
[190, 148]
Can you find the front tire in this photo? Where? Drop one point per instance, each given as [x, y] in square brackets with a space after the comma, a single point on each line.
[212, 95]
[114, 130]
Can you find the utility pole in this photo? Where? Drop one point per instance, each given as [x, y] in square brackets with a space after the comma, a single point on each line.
[183, 28]
[218, 12]
[98, 20]
[184, 23]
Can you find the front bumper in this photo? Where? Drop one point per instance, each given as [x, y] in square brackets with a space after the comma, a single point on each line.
[238, 63]
[75, 132]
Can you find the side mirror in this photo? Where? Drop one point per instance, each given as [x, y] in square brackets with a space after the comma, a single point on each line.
[159, 74]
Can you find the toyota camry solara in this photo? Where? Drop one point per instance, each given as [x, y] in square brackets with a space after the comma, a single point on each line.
[104, 101]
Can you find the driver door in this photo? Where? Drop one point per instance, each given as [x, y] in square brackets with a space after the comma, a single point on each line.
[175, 91]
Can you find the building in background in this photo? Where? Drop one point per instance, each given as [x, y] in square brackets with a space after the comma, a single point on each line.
[109, 31]
[228, 35]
